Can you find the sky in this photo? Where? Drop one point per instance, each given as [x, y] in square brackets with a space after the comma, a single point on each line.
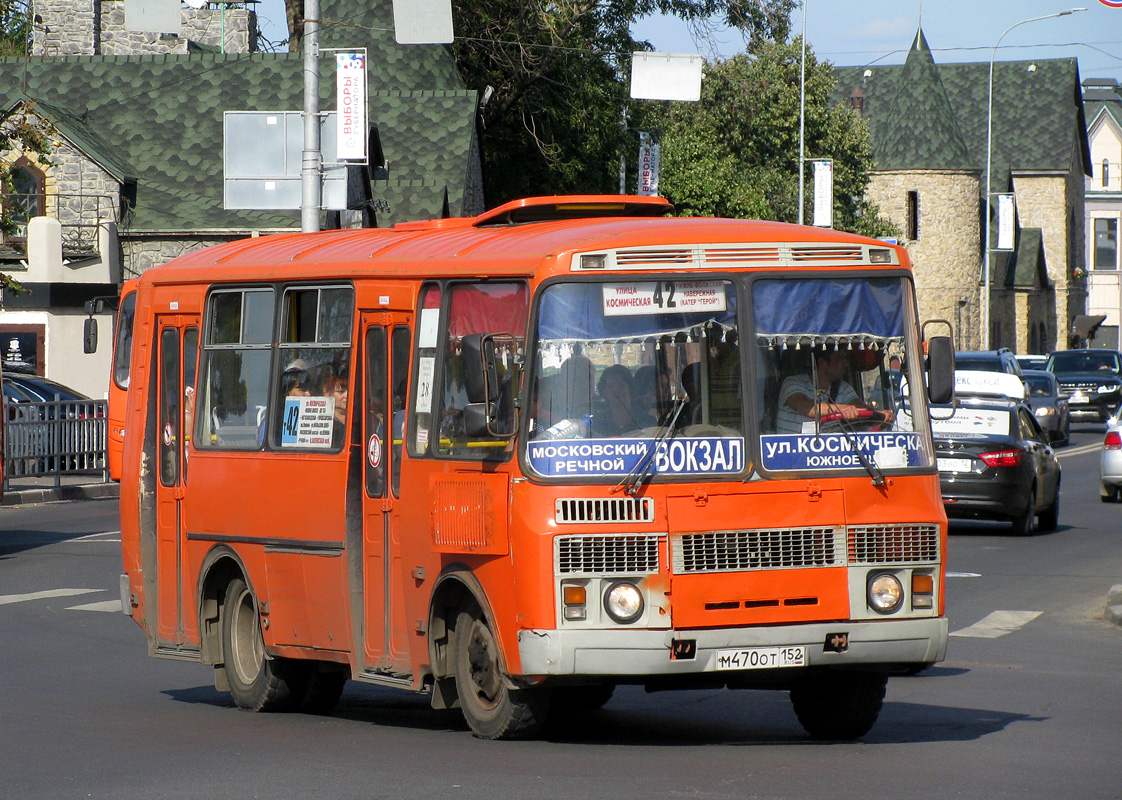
[860, 32]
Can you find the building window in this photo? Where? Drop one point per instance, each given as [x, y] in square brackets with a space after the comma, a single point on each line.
[28, 196]
[1106, 173]
[913, 216]
[1106, 243]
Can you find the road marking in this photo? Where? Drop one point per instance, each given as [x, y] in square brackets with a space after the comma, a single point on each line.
[998, 624]
[1078, 451]
[21, 598]
[113, 606]
[96, 537]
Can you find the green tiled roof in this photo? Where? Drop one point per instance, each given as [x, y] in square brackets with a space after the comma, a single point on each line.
[158, 119]
[1037, 114]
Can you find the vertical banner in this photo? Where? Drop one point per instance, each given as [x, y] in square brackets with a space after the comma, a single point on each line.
[350, 100]
[823, 192]
[648, 165]
[1006, 218]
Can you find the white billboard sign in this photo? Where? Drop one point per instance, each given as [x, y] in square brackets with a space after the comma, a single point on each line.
[422, 21]
[350, 104]
[666, 76]
[1006, 222]
[823, 193]
[153, 16]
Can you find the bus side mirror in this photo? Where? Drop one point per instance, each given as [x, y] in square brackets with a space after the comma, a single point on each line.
[940, 370]
[481, 382]
[89, 336]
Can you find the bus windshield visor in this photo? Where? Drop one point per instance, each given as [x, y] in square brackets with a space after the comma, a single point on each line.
[635, 377]
[833, 364]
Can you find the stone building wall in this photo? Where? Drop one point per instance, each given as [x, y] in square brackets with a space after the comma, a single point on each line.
[946, 257]
[139, 252]
[1054, 203]
[97, 27]
[84, 195]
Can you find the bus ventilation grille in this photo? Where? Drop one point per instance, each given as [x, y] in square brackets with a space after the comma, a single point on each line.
[742, 551]
[702, 256]
[607, 555]
[615, 509]
[893, 544]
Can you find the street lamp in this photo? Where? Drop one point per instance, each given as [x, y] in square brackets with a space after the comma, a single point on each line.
[802, 117]
[989, 159]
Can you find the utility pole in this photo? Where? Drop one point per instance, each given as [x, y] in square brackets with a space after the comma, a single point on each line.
[311, 181]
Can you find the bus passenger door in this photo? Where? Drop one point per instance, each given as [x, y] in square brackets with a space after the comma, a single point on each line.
[177, 355]
[386, 344]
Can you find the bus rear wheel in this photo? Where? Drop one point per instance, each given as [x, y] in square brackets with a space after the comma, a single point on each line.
[257, 682]
[493, 709]
[839, 705]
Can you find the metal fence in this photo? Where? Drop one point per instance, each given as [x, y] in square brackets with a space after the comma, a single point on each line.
[65, 437]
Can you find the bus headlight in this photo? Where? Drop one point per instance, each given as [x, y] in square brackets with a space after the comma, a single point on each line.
[624, 602]
[885, 592]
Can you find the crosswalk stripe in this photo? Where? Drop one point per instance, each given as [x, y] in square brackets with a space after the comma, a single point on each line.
[998, 624]
[22, 598]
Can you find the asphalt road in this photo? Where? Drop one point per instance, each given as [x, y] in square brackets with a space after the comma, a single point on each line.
[1026, 705]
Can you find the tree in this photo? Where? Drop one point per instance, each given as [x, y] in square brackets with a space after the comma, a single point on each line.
[735, 153]
[557, 75]
[15, 28]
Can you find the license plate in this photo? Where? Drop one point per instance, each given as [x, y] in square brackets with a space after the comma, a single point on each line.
[954, 464]
[1078, 399]
[762, 657]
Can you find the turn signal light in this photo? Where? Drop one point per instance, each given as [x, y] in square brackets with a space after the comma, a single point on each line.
[1003, 458]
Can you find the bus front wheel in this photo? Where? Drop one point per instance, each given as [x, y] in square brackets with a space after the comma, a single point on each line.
[257, 682]
[839, 705]
[493, 709]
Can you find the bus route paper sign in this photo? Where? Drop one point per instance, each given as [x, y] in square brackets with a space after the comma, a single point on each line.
[663, 297]
[307, 422]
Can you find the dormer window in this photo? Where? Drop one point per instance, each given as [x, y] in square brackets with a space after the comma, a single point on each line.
[1106, 173]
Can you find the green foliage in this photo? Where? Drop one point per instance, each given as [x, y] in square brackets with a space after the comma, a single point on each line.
[15, 28]
[558, 74]
[736, 152]
[22, 133]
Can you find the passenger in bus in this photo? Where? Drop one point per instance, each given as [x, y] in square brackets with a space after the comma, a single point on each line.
[801, 400]
[614, 413]
[691, 384]
[295, 381]
[576, 379]
[335, 387]
[651, 389]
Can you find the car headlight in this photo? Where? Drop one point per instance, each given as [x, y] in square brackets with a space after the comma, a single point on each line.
[1044, 411]
[1110, 387]
[885, 593]
[624, 602]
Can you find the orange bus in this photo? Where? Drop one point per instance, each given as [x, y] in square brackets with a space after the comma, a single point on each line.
[516, 460]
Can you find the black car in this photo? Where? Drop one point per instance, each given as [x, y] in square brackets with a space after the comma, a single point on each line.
[1048, 405]
[995, 463]
[20, 388]
[1091, 380]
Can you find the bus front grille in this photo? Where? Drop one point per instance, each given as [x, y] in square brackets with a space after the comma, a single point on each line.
[606, 555]
[893, 544]
[740, 551]
[572, 510]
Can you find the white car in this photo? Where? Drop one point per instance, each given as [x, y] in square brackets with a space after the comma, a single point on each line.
[1110, 466]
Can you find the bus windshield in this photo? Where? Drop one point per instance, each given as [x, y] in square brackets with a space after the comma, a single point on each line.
[619, 364]
[627, 369]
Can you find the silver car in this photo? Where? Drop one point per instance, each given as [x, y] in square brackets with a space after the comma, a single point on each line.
[1110, 467]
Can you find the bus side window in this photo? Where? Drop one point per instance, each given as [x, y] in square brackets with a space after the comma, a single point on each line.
[235, 376]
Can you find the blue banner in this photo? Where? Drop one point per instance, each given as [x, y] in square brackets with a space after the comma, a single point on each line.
[805, 451]
[597, 457]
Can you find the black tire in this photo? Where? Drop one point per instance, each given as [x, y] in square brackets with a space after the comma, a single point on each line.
[323, 690]
[1109, 494]
[257, 682]
[1023, 523]
[578, 699]
[839, 705]
[493, 709]
[1050, 519]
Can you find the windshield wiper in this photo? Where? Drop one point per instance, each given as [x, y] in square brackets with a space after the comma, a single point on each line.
[869, 465]
[643, 471]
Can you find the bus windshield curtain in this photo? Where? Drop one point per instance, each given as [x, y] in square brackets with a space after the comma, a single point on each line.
[819, 312]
